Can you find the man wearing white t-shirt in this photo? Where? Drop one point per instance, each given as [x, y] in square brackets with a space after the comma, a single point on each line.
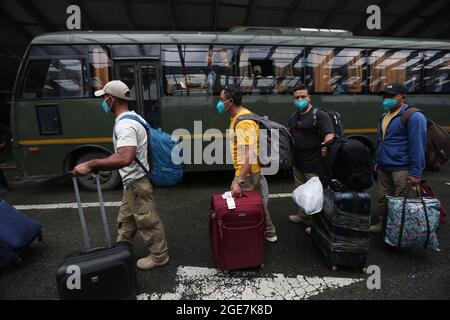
[137, 212]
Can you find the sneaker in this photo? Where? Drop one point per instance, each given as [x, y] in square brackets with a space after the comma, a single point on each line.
[148, 262]
[272, 239]
[299, 219]
[308, 231]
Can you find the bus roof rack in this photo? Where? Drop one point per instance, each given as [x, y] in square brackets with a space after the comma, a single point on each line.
[290, 31]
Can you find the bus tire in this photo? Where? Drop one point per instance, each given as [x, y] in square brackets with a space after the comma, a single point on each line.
[109, 179]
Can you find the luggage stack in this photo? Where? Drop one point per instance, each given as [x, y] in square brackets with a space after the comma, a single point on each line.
[237, 232]
[341, 230]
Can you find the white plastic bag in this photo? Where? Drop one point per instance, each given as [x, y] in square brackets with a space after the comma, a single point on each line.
[309, 196]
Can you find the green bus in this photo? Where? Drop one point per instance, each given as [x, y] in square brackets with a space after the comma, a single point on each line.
[175, 78]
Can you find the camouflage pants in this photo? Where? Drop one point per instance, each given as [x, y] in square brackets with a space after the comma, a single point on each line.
[256, 182]
[138, 213]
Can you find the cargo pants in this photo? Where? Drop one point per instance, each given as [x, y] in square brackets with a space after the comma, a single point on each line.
[394, 184]
[257, 182]
[138, 213]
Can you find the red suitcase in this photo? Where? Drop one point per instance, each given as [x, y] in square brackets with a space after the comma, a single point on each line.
[237, 235]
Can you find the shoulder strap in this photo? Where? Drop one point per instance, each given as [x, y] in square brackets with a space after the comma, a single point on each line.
[315, 110]
[408, 113]
[252, 116]
[147, 129]
[136, 118]
[291, 117]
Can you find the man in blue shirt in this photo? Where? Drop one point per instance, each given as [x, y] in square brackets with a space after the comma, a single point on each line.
[401, 151]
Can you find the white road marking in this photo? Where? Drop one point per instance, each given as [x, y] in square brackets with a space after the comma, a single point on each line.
[448, 183]
[65, 206]
[195, 283]
[280, 195]
[53, 206]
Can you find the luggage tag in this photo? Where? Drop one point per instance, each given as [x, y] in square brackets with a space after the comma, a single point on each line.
[230, 200]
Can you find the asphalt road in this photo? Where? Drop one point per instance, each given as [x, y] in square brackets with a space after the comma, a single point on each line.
[405, 274]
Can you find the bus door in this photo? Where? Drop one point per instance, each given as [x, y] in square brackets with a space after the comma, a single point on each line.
[142, 77]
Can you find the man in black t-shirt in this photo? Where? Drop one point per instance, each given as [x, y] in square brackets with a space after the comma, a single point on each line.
[310, 128]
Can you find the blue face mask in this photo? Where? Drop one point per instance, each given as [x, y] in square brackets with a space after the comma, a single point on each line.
[105, 106]
[301, 105]
[389, 103]
[221, 107]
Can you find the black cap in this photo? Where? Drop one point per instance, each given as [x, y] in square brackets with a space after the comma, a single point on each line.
[395, 88]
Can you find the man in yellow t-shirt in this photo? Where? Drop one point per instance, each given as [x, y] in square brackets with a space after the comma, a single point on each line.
[244, 147]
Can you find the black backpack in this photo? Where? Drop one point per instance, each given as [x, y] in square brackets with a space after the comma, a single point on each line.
[335, 118]
[283, 151]
[350, 162]
[438, 141]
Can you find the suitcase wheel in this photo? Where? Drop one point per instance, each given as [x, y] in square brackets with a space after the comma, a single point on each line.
[261, 266]
[334, 268]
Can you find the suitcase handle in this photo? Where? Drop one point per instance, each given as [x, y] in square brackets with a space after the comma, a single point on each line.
[86, 240]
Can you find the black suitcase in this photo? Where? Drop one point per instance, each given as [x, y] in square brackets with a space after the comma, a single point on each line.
[341, 230]
[105, 272]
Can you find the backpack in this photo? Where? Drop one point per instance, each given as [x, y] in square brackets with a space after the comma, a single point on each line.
[335, 118]
[350, 162]
[163, 171]
[282, 152]
[438, 141]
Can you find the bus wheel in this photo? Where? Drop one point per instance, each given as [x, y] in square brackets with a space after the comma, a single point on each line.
[109, 179]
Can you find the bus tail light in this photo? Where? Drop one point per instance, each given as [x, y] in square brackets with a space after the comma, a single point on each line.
[34, 150]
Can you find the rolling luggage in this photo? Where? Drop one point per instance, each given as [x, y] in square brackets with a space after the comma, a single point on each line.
[17, 231]
[341, 230]
[105, 272]
[7, 257]
[237, 235]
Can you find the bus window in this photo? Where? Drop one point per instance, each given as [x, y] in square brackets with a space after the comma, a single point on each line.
[270, 70]
[54, 78]
[436, 72]
[135, 50]
[100, 65]
[335, 70]
[42, 51]
[196, 69]
[395, 66]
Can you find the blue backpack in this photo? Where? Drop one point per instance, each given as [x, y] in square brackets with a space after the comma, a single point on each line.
[163, 172]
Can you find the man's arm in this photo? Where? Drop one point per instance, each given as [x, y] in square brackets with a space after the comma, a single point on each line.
[246, 167]
[122, 158]
[417, 137]
[246, 139]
